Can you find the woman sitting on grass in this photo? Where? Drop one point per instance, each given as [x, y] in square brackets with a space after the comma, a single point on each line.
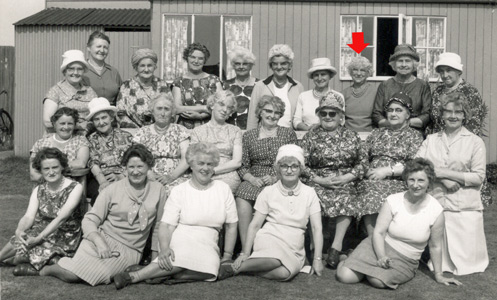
[286, 206]
[50, 228]
[407, 222]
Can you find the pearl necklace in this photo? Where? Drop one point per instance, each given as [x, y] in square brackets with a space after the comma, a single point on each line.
[358, 92]
[59, 141]
[318, 95]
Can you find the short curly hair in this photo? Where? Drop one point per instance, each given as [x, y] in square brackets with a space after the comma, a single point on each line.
[276, 102]
[142, 54]
[360, 62]
[419, 164]
[65, 111]
[281, 50]
[193, 47]
[221, 96]
[242, 53]
[202, 148]
[140, 151]
[458, 99]
[50, 153]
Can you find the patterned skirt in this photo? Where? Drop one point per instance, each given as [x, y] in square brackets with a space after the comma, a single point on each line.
[337, 202]
[371, 194]
[249, 192]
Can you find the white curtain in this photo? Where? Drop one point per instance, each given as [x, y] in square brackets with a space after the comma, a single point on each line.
[175, 41]
[237, 32]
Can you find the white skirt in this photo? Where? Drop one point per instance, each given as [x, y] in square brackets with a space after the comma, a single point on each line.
[465, 248]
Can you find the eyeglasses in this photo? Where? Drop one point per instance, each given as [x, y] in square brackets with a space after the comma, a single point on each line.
[74, 70]
[282, 64]
[331, 114]
[239, 64]
[359, 71]
[459, 113]
[270, 111]
[292, 167]
[397, 110]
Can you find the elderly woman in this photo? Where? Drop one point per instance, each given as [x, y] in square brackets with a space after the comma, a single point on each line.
[102, 77]
[260, 147]
[335, 159]
[284, 208]
[321, 72]
[107, 146]
[167, 141]
[359, 97]
[388, 148]
[50, 228]
[136, 93]
[407, 222]
[191, 90]
[226, 137]
[117, 227]
[459, 157]
[76, 147]
[194, 214]
[242, 85]
[404, 62]
[70, 92]
[277, 85]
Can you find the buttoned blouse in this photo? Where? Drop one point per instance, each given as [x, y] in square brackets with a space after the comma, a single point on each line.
[66, 95]
[106, 84]
[464, 153]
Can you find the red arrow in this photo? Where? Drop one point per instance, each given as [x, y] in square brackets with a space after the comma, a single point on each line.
[358, 42]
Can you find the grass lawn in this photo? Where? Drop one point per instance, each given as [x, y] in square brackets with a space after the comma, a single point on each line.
[14, 193]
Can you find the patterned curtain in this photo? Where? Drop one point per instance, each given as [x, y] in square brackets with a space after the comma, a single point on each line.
[175, 41]
[237, 32]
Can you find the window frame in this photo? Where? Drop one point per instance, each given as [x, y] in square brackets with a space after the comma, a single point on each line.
[401, 38]
[192, 34]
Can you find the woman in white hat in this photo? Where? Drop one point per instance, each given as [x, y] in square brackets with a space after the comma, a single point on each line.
[71, 91]
[450, 69]
[279, 84]
[275, 249]
[404, 61]
[107, 146]
[321, 72]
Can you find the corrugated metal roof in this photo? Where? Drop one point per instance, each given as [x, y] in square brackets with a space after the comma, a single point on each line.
[137, 18]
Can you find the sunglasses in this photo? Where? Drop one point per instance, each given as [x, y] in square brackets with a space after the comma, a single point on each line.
[331, 114]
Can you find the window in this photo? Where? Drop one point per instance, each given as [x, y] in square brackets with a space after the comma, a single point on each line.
[383, 33]
[219, 33]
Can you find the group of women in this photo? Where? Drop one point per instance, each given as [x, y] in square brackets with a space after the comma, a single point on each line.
[188, 148]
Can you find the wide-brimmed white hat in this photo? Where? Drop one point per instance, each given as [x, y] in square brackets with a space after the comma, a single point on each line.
[71, 56]
[449, 59]
[97, 105]
[321, 63]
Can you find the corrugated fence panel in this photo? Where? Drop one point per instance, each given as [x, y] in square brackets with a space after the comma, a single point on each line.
[123, 45]
[7, 69]
[39, 52]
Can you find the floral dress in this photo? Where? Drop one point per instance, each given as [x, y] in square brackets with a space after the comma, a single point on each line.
[133, 102]
[258, 157]
[224, 138]
[62, 242]
[165, 148]
[334, 154]
[243, 95]
[195, 92]
[479, 112]
[107, 151]
[386, 148]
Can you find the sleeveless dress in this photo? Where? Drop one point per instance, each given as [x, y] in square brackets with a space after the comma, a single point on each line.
[62, 242]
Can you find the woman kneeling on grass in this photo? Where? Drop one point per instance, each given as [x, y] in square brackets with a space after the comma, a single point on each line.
[406, 223]
[278, 247]
[189, 231]
[117, 227]
[50, 228]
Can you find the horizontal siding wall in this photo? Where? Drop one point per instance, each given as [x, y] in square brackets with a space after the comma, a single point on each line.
[312, 29]
[122, 45]
[39, 52]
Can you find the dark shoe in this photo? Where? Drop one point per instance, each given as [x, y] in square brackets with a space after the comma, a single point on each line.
[133, 268]
[25, 270]
[54, 260]
[225, 271]
[122, 280]
[333, 258]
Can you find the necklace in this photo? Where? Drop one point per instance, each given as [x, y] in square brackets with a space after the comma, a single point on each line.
[59, 141]
[200, 187]
[160, 130]
[358, 92]
[268, 133]
[318, 95]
